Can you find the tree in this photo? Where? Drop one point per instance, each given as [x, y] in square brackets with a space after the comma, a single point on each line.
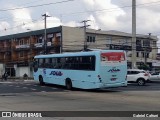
[144, 67]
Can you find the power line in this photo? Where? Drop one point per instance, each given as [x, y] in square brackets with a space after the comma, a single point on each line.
[149, 3]
[19, 25]
[110, 9]
[9, 9]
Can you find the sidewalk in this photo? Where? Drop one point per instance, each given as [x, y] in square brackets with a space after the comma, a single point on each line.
[15, 80]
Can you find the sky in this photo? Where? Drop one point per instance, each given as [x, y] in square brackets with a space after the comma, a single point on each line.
[18, 16]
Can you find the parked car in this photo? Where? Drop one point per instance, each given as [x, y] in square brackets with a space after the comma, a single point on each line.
[138, 76]
[155, 76]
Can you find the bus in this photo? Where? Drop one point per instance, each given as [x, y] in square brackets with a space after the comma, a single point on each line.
[84, 70]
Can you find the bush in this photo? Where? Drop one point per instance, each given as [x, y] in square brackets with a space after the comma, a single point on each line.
[144, 67]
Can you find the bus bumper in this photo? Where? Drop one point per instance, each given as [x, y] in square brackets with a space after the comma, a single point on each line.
[122, 84]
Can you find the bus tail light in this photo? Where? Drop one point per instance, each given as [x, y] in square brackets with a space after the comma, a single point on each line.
[99, 77]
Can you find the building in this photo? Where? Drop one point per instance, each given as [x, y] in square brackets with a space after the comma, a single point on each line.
[17, 50]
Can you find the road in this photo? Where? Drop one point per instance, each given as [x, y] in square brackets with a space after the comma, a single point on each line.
[30, 96]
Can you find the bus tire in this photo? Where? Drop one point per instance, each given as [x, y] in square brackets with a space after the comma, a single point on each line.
[68, 84]
[41, 82]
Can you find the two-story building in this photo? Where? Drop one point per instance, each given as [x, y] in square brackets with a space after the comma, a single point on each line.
[17, 50]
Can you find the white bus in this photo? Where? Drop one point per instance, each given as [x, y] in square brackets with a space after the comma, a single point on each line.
[85, 70]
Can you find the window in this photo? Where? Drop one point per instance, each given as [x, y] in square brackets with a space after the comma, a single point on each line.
[147, 55]
[21, 42]
[146, 43]
[137, 54]
[21, 54]
[73, 63]
[109, 40]
[135, 72]
[138, 42]
[40, 40]
[143, 54]
[154, 43]
[40, 63]
[28, 41]
[132, 72]
[91, 39]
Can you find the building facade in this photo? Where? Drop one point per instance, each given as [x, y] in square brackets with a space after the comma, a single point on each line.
[17, 50]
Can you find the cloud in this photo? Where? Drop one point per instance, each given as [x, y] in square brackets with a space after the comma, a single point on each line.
[147, 16]
[93, 23]
[23, 21]
[104, 14]
[51, 22]
[4, 25]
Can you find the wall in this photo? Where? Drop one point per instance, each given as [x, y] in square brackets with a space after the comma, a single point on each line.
[72, 38]
[20, 71]
[1, 69]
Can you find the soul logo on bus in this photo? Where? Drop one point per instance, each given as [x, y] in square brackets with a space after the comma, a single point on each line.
[56, 73]
[114, 70]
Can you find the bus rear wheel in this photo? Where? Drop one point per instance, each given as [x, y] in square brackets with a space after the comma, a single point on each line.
[41, 82]
[68, 84]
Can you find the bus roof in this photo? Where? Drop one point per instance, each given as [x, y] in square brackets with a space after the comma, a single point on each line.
[76, 53]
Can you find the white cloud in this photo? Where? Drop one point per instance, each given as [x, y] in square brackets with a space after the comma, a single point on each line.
[105, 16]
[4, 25]
[93, 24]
[101, 13]
[71, 23]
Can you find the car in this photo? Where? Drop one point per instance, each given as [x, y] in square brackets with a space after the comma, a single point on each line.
[138, 76]
[154, 76]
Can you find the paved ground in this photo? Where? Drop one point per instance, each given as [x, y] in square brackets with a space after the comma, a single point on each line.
[30, 96]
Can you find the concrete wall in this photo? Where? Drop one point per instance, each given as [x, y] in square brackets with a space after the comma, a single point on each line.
[20, 71]
[72, 38]
[1, 69]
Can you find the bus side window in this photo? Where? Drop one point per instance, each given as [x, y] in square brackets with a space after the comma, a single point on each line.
[76, 63]
[58, 63]
[35, 65]
[93, 63]
[63, 63]
[68, 63]
[53, 63]
[47, 63]
[50, 63]
[40, 63]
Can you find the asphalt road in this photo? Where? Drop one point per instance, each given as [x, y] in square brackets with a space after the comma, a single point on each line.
[30, 96]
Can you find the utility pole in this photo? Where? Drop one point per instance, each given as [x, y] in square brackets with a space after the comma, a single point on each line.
[85, 37]
[145, 50]
[133, 33]
[45, 32]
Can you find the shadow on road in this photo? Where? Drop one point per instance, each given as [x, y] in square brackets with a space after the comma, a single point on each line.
[23, 87]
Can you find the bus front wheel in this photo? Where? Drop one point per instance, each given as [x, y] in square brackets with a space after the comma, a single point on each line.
[41, 82]
[68, 84]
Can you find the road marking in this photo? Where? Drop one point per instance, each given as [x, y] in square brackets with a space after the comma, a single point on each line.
[28, 84]
[25, 87]
[33, 89]
[54, 88]
[43, 91]
[5, 82]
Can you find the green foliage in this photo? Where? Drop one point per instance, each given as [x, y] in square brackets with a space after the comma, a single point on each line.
[144, 67]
